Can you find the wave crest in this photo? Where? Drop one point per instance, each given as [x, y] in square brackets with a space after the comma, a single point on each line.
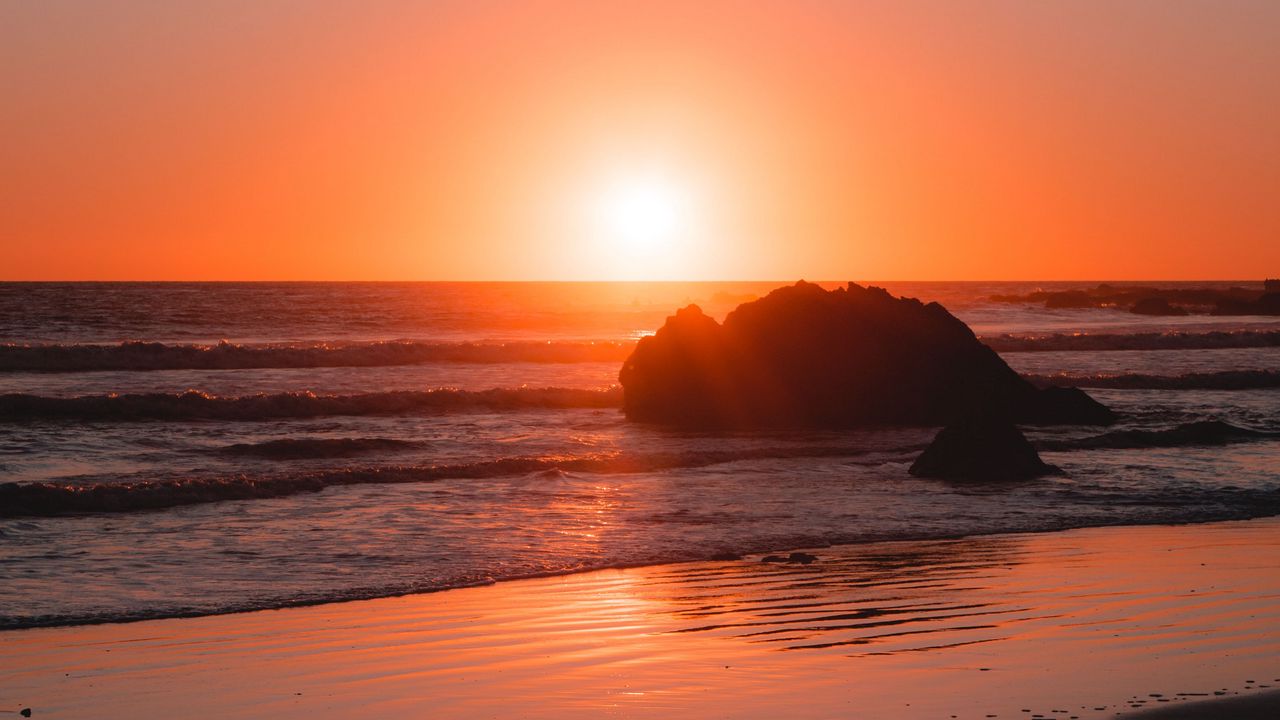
[1205, 432]
[138, 355]
[1224, 380]
[1060, 342]
[311, 448]
[195, 405]
[47, 499]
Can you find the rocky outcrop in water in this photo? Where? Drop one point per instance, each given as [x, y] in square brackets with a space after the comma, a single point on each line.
[1268, 304]
[1149, 300]
[981, 449]
[1156, 306]
[805, 356]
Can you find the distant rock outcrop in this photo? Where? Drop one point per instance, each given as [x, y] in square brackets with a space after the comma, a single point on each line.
[805, 356]
[1150, 300]
[1268, 304]
[981, 449]
[1156, 306]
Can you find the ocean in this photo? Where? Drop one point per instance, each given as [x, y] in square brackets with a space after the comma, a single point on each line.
[199, 448]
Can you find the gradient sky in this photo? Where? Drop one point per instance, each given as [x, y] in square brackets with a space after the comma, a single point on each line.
[251, 139]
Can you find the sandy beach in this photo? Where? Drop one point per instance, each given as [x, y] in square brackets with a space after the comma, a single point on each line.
[1079, 624]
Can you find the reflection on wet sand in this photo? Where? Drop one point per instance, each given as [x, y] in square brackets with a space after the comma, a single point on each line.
[1081, 624]
[912, 597]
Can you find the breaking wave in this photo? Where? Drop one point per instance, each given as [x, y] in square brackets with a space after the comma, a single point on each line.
[1224, 380]
[1134, 341]
[47, 499]
[310, 448]
[52, 499]
[136, 355]
[1206, 432]
[195, 405]
[139, 355]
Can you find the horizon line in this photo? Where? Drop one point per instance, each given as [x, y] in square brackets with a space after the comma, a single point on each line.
[531, 281]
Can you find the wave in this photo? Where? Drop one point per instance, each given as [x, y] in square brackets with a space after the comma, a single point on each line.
[1191, 507]
[1205, 432]
[312, 448]
[47, 499]
[1224, 380]
[195, 405]
[142, 356]
[1134, 341]
[136, 355]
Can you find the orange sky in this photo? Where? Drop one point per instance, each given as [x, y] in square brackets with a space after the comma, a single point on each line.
[480, 140]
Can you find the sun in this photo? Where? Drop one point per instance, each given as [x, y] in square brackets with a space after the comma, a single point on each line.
[642, 213]
[639, 221]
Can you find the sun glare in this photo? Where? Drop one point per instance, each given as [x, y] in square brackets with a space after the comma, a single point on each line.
[642, 214]
[641, 221]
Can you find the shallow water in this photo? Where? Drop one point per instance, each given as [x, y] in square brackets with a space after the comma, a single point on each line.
[353, 492]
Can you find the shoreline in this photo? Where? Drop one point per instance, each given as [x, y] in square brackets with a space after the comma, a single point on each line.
[1257, 706]
[1092, 622]
[746, 556]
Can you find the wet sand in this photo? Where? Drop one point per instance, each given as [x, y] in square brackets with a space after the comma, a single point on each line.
[1081, 624]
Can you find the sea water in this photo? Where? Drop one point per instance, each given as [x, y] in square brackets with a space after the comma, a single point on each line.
[206, 448]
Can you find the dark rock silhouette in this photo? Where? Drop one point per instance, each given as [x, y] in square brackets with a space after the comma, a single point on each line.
[1145, 299]
[805, 356]
[1268, 304]
[726, 556]
[795, 558]
[981, 449]
[1056, 406]
[1156, 306]
[1070, 299]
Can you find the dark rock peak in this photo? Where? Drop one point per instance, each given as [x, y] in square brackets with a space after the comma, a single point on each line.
[981, 449]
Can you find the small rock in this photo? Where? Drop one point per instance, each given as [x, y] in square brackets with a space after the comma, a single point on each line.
[1156, 306]
[795, 558]
[981, 449]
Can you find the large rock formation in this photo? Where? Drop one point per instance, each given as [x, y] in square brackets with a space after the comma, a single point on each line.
[807, 356]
